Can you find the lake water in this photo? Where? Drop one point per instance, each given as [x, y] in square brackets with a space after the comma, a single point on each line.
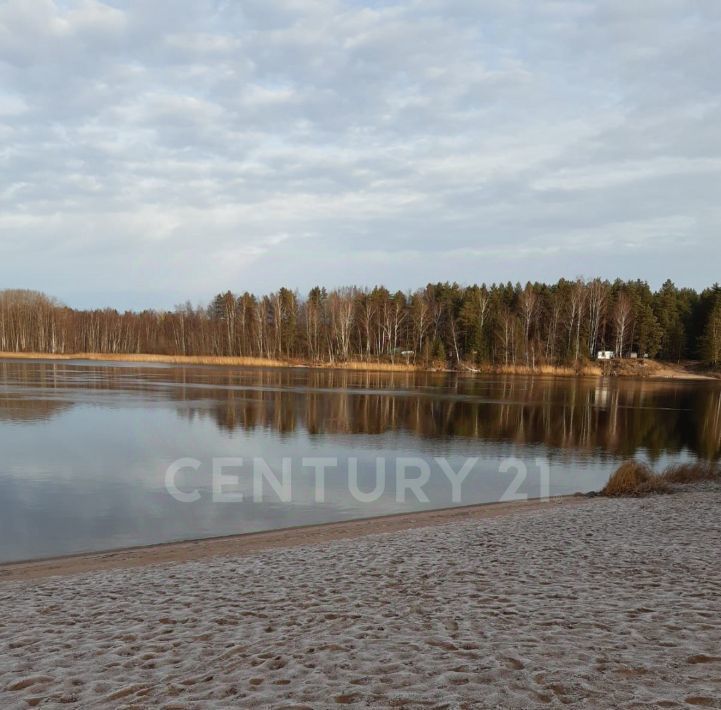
[86, 446]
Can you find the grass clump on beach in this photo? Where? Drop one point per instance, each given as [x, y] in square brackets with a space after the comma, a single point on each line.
[633, 478]
[691, 473]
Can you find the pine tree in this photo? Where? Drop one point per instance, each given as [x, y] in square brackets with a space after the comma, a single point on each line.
[712, 336]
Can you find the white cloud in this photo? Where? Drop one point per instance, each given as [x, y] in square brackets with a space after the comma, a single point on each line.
[12, 105]
[164, 150]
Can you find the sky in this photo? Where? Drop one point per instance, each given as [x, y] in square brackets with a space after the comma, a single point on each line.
[158, 152]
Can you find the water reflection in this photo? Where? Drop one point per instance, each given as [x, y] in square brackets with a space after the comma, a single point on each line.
[85, 445]
[618, 417]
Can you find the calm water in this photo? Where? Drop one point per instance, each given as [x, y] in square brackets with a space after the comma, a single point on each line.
[85, 446]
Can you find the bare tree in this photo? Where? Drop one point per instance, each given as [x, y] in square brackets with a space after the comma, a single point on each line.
[622, 312]
[576, 303]
[529, 305]
[597, 296]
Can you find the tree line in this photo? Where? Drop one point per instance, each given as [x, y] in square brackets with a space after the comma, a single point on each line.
[444, 323]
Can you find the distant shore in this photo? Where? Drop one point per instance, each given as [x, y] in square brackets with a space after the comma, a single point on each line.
[642, 369]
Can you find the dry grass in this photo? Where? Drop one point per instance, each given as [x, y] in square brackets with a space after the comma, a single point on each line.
[684, 473]
[375, 366]
[212, 360]
[170, 359]
[556, 370]
[633, 478]
[630, 368]
[364, 365]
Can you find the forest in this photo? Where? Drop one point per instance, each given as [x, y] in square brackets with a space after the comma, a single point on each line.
[442, 324]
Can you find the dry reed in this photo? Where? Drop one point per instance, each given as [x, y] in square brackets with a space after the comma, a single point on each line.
[562, 370]
[685, 473]
[211, 360]
[633, 478]
[140, 358]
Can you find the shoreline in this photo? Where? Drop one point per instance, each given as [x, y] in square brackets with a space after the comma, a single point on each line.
[609, 603]
[632, 369]
[244, 544]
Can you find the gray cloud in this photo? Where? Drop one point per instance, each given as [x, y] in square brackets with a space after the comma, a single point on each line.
[151, 152]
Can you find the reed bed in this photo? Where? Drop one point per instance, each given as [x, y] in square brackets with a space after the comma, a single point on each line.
[140, 358]
[375, 366]
[564, 370]
[213, 360]
[369, 365]
[591, 369]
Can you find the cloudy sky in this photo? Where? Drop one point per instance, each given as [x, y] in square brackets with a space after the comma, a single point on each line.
[156, 151]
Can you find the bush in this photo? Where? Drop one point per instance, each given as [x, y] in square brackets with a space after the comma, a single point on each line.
[691, 473]
[632, 478]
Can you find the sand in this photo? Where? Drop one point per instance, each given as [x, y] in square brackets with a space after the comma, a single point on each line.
[600, 604]
[248, 543]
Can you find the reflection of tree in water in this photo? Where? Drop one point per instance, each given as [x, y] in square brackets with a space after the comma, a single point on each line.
[30, 410]
[613, 415]
[709, 416]
[19, 405]
[618, 417]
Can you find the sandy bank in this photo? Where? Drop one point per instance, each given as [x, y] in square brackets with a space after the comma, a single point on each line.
[246, 544]
[603, 604]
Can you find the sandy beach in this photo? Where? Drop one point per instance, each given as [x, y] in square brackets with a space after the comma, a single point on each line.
[597, 603]
[249, 543]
